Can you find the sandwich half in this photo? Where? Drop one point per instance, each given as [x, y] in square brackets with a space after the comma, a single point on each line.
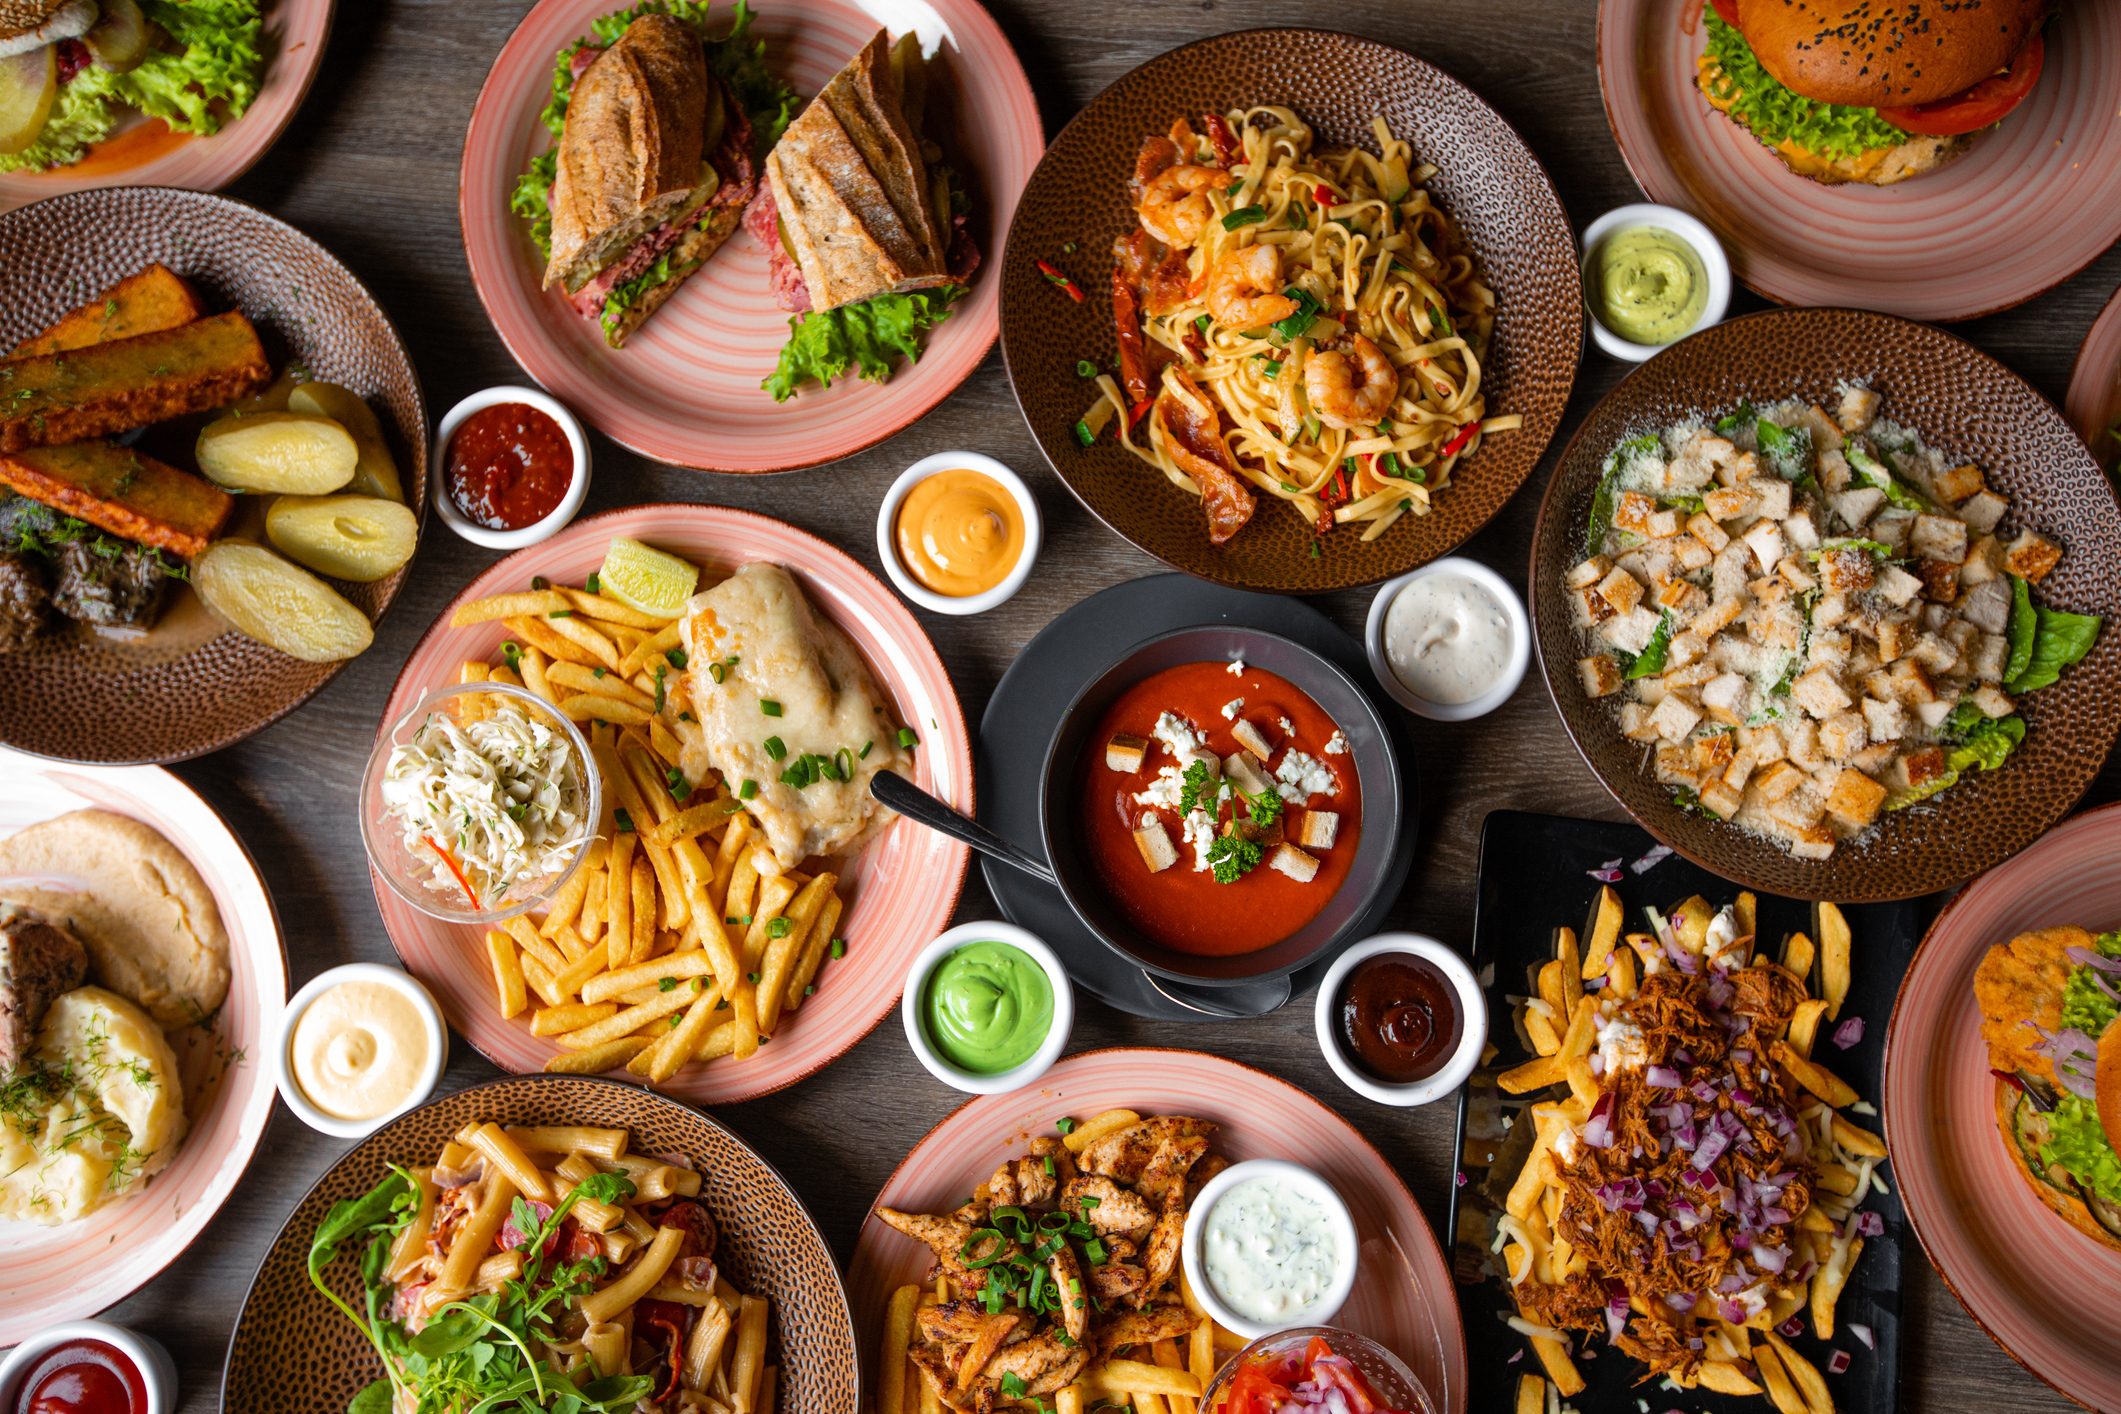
[2049, 1002]
[654, 163]
[863, 225]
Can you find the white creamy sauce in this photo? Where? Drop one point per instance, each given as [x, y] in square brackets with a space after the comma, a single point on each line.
[1301, 776]
[1271, 1250]
[1447, 638]
[1621, 1044]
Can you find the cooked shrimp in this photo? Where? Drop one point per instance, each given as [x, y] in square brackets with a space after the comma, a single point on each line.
[1351, 392]
[1174, 203]
[1244, 288]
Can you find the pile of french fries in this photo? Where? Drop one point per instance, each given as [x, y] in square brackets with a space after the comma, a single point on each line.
[667, 946]
[1560, 1022]
[1169, 1382]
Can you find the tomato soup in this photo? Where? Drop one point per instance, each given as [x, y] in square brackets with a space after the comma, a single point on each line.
[1273, 815]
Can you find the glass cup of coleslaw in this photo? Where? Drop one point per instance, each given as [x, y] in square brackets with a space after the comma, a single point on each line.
[479, 803]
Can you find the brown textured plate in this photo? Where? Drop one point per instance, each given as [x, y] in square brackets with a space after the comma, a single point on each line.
[194, 685]
[292, 1352]
[1488, 181]
[1967, 405]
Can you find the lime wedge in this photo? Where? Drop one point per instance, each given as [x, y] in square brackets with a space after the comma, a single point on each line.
[645, 578]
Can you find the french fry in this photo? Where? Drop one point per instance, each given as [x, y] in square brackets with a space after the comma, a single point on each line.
[1565, 952]
[539, 979]
[1834, 943]
[507, 973]
[585, 707]
[534, 944]
[596, 1059]
[1097, 1127]
[1813, 1076]
[736, 898]
[644, 910]
[534, 663]
[660, 642]
[571, 1016]
[1856, 1139]
[1724, 1377]
[1804, 1025]
[744, 1008]
[1804, 1375]
[537, 633]
[618, 903]
[1620, 976]
[590, 921]
[496, 607]
[774, 896]
[735, 844]
[1554, 1356]
[573, 977]
[683, 1043]
[1531, 1395]
[1828, 1281]
[632, 1018]
[567, 903]
[614, 985]
[590, 644]
[1534, 1074]
[782, 952]
[1549, 988]
[1108, 1378]
[1748, 910]
[1798, 951]
[1545, 1039]
[1583, 1030]
[814, 949]
[1601, 932]
[1068, 1399]
[609, 610]
[1200, 1350]
[596, 682]
[1779, 1389]
[689, 823]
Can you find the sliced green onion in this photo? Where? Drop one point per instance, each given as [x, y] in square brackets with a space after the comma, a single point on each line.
[1084, 368]
[1244, 216]
[770, 707]
[748, 790]
[1083, 434]
[775, 748]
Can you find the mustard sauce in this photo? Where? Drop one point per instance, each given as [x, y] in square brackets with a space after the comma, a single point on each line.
[960, 532]
[1650, 285]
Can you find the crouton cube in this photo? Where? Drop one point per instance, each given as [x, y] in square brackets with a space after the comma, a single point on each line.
[1599, 674]
[1847, 570]
[1682, 598]
[1717, 616]
[1664, 524]
[1857, 407]
[1317, 829]
[1762, 743]
[1729, 502]
[1238, 767]
[1819, 693]
[1801, 530]
[1771, 497]
[1635, 723]
[1727, 698]
[1675, 766]
[1990, 657]
[1856, 505]
[1828, 649]
[1855, 799]
[1767, 591]
[1779, 626]
[1798, 808]
[1896, 586]
[1288, 859]
[1634, 512]
[1830, 610]
[1934, 653]
[1251, 738]
[1984, 511]
[1675, 717]
[1738, 772]
[1702, 526]
[1940, 581]
[1993, 701]
[1933, 712]
[1894, 639]
[1720, 800]
[1958, 483]
[1890, 528]
[1834, 473]
[1154, 842]
[1631, 632]
[1813, 843]
[1588, 572]
[2031, 556]
[1125, 752]
[1693, 675]
[1801, 736]
[1796, 572]
[1686, 648]
[1777, 779]
[1843, 735]
[1887, 721]
[1621, 590]
[1714, 752]
[1590, 608]
[1939, 538]
[1912, 683]
[1691, 554]
[1925, 765]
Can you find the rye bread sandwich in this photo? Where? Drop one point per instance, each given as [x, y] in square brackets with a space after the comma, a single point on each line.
[657, 126]
[1870, 91]
[863, 223]
[2049, 1002]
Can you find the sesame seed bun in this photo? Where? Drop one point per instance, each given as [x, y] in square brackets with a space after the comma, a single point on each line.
[1886, 53]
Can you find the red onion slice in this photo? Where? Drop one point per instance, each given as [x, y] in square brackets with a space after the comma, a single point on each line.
[1849, 1032]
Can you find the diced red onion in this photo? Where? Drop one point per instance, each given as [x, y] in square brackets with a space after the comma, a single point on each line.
[1682, 1056]
[1709, 1150]
[1679, 1300]
[1732, 1281]
[1849, 1032]
[1616, 1319]
[1461, 1178]
[1733, 1312]
[1598, 1129]
[1662, 1077]
[1607, 873]
[1515, 1356]
[2085, 957]
[1837, 1363]
[1790, 1329]
[1657, 855]
[1870, 1224]
[1775, 1216]
[1864, 1334]
[1769, 1259]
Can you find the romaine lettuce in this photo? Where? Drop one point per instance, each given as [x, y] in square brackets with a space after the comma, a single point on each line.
[868, 337]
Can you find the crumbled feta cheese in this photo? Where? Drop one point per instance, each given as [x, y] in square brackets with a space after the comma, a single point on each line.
[1722, 943]
[1301, 776]
[1237, 668]
[1336, 745]
[1178, 735]
[1232, 708]
[1199, 830]
[1163, 791]
[1288, 728]
[1621, 1044]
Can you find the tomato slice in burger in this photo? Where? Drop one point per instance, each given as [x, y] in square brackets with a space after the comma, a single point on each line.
[1986, 103]
[1727, 10]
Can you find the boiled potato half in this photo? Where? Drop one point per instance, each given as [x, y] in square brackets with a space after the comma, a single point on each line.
[376, 474]
[274, 396]
[361, 538]
[298, 453]
[280, 604]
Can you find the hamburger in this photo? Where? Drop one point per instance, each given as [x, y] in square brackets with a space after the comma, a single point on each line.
[1873, 91]
[2049, 1002]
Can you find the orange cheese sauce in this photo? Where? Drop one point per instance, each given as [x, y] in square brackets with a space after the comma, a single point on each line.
[960, 532]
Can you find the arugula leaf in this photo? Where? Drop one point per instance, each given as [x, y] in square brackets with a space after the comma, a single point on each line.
[868, 337]
[379, 1214]
[1871, 472]
[1738, 82]
[374, 1398]
[2024, 628]
[1650, 661]
[2059, 639]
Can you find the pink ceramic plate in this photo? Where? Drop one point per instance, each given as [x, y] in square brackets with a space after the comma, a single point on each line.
[148, 154]
[1957, 243]
[1403, 1298]
[54, 1274]
[2058, 1312]
[685, 389]
[2093, 405]
[900, 889]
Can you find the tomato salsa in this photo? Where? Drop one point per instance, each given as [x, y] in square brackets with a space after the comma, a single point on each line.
[1267, 832]
[82, 1377]
[509, 466]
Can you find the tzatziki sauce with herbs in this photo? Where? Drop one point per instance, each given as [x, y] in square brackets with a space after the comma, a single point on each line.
[1272, 1250]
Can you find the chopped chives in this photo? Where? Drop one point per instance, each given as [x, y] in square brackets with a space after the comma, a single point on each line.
[677, 658]
[775, 748]
[906, 737]
[1083, 434]
[748, 790]
[624, 821]
[593, 584]
[1084, 368]
[1244, 216]
[839, 947]
[777, 927]
[770, 707]
[864, 752]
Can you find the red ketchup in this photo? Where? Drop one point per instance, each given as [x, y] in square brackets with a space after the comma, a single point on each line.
[82, 1377]
[509, 466]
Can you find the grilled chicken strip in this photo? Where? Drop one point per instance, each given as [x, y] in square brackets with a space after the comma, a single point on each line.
[1124, 1154]
[1142, 1327]
[1115, 1211]
[1044, 1363]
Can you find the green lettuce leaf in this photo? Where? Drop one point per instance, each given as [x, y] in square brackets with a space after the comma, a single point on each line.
[2085, 1004]
[2058, 640]
[1775, 115]
[1606, 498]
[2078, 1144]
[208, 78]
[1870, 472]
[738, 60]
[1650, 661]
[1985, 745]
[868, 338]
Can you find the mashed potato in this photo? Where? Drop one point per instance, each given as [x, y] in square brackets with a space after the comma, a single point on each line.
[98, 1108]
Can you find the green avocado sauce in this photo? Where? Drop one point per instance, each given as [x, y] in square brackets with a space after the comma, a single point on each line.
[987, 1007]
[1649, 284]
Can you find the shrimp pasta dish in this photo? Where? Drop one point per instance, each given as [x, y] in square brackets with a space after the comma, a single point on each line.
[546, 1267]
[1294, 320]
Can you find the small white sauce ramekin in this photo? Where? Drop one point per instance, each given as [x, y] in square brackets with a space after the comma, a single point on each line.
[970, 1081]
[1687, 228]
[1319, 1312]
[557, 518]
[1472, 1028]
[158, 1373]
[398, 980]
[1513, 671]
[902, 574]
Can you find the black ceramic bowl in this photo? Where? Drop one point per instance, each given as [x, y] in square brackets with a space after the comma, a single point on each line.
[1363, 897]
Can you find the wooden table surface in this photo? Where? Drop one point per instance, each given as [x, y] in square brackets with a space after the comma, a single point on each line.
[369, 167]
